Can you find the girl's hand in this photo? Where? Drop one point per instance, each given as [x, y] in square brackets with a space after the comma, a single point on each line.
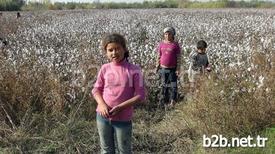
[115, 110]
[103, 110]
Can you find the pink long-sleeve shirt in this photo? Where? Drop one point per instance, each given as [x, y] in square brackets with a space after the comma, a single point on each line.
[168, 53]
[118, 82]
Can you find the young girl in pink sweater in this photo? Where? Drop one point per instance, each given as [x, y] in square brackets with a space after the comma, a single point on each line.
[168, 62]
[118, 87]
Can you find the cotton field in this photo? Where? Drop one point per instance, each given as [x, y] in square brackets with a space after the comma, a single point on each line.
[65, 41]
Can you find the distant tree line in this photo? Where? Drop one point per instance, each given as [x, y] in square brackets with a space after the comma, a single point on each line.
[226, 4]
[11, 5]
[16, 5]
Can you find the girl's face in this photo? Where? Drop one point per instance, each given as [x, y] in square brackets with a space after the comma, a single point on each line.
[168, 36]
[115, 52]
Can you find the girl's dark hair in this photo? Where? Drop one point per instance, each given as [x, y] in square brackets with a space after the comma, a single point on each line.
[201, 44]
[115, 38]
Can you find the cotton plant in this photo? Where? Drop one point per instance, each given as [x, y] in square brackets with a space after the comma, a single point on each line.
[64, 40]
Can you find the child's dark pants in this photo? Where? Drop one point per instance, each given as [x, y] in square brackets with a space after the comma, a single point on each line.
[169, 89]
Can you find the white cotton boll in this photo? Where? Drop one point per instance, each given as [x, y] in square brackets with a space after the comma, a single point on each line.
[261, 81]
[262, 39]
[231, 65]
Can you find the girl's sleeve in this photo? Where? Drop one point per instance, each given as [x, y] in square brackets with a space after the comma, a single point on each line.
[139, 85]
[99, 84]
[158, 49]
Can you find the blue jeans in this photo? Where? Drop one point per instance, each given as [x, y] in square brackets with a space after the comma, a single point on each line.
[169, 89]
[111, 131]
